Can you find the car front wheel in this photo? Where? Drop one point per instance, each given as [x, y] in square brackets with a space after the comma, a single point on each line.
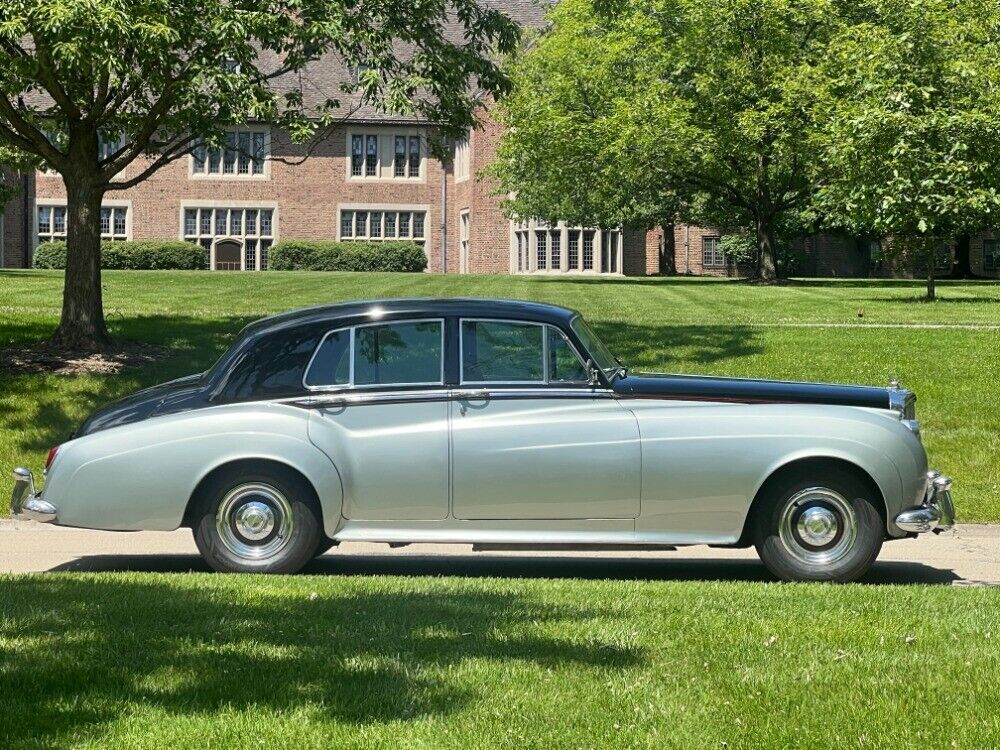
[261, 521]
[819, 528]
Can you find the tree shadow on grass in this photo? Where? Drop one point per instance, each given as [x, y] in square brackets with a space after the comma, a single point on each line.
[664, 347]
[78, 653]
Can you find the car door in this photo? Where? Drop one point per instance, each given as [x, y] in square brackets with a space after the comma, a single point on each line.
[531, 438]
[383, 418]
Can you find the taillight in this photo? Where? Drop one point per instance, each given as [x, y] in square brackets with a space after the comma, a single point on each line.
[51, 457]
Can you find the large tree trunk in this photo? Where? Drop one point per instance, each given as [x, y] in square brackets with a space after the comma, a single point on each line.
[82, 327]
[668, 263]
[767, 269]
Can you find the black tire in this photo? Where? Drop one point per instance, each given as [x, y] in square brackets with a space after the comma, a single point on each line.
[325, 545]
[803, 526]
[236, 508]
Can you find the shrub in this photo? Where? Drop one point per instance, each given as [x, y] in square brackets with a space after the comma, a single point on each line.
[138, 255]
[352, 255]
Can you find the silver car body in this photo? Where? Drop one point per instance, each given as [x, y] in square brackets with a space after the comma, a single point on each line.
[488, 463]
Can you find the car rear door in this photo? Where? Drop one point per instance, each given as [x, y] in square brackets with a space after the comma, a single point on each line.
[531, 438]
[383, 418]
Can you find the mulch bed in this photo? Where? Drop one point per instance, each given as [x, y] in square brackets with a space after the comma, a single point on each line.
[45, 357]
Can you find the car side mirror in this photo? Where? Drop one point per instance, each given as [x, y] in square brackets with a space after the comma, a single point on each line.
[593, 376]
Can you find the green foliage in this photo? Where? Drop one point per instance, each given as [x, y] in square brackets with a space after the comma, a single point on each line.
[913, 124]
[632, 111]
[354, 255]
[138, 255]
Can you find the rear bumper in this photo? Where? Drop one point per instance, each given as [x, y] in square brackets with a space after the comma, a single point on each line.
[27, 504]
[937, 513]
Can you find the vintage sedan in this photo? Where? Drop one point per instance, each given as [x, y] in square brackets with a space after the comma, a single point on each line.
[495, 423]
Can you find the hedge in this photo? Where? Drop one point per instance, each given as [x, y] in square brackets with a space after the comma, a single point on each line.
[353, 255]
[137, 255]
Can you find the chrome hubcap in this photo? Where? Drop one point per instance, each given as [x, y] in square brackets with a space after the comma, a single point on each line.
[254, 521]
[818, 526]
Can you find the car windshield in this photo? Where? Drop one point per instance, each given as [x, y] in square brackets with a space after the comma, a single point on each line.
[598, 351]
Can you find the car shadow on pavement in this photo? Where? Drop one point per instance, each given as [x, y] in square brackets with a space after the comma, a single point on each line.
[506, 566]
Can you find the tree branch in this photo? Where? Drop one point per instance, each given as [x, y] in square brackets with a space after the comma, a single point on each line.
[33, 139]
[180, 149]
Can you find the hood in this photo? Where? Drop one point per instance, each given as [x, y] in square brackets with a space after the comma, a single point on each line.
[748, 391]
[177, 395]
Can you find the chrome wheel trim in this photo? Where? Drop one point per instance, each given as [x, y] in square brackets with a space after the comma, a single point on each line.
[254, 521]
[818, 526]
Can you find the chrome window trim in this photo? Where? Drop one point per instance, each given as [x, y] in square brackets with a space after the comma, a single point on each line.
[357, 398]
[545, 353]
[350, 385]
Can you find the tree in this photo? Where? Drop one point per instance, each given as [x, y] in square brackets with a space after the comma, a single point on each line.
[560, 157]
[697, 109]
[106, 92]
[913, 126]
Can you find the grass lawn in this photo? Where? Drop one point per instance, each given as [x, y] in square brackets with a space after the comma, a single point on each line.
[948, 351]
[140, 660]
[200, 660]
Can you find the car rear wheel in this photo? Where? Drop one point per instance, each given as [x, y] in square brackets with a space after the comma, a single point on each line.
[262, 521]
[819, 528]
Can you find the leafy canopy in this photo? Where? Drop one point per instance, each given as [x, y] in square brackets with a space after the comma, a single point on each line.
[913, 127]
[153, 76]
[630, 110]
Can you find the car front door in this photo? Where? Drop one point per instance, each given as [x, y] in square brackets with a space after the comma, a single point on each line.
[383, 418]
[531, 438]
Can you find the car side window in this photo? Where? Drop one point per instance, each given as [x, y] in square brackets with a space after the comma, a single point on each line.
[399, 353]
[502, 352]
[331, 365]
[564, 365]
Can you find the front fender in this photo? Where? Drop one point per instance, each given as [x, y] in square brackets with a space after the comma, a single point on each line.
[140, 476]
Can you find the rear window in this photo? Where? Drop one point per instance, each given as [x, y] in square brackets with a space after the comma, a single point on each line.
[405, 353]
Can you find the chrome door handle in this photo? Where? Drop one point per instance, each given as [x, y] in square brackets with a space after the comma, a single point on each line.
[471, 395]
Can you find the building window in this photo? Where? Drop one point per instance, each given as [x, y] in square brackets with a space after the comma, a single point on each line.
[574, 248]
[244, 155]
[588, 250]
[394, 156]
[359, 224]
[555, 248]
[462, 159]
[51, 223]
[991, 255]
[234, 239]
[711, 253]
[609, 252]
[463, 241]
[541, 250]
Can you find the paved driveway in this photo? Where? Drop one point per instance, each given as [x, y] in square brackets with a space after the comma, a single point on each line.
[970, 555]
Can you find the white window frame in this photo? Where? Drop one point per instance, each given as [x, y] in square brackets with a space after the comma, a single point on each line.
[61, 236]
[383, 208]
[716, 253]
[524, 241]
[385, 154]
[350, 384]
[251, 175]
[223, 205]
[463, 158]
[464, 230]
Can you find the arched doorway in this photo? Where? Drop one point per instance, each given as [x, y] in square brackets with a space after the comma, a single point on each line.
[227, 255]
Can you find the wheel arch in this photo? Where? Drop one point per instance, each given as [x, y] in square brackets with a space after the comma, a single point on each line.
[812, 463]
[323, 481]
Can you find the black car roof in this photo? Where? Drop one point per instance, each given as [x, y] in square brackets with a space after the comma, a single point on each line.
[415, 307]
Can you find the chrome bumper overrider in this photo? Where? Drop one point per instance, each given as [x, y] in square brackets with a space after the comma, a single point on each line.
[27, 504]
[937, 514]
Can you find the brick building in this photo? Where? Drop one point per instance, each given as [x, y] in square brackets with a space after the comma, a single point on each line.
[373, 178]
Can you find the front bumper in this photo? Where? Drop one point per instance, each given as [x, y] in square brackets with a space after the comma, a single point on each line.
[937, 513]
[25, 503]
